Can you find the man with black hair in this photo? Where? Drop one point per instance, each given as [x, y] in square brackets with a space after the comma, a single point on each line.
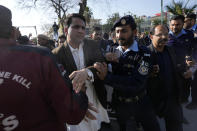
[190, 24]
[182, 42]
[164, 81]
[61, 40]
[130, 70]
[78, 55]
[34, 96]
[97, 33]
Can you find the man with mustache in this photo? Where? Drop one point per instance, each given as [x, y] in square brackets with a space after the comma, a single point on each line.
[77, 55]
[130, 69]
[190, 24]
[182, 42]
[164, 82]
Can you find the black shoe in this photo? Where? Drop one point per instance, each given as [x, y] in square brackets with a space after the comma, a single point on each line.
[191, 106]
[185, 121]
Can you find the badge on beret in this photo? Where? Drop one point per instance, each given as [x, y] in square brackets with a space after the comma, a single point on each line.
[123, 21]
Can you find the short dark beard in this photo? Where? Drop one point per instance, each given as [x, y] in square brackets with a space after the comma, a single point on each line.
[126, 42]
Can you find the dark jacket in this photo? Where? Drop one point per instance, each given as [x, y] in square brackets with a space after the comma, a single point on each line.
[33, 94]
[92, 54]
[183, 46]
[156, 88]
[129, 75]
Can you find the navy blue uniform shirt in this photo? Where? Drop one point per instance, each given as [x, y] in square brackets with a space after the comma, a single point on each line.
[129, 75]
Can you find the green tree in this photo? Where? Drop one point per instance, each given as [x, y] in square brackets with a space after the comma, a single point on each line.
[82, 6]
[59, 7]
[180, 7]
[110, 21]
[138, 21]
[87, 14]
[48, 30]
[158, 21]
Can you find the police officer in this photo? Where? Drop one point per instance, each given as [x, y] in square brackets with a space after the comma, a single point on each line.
[129, 74]
[164, 81]
[182, 42]
[190, 24]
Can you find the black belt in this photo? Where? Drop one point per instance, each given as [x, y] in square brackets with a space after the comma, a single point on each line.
[132, 99]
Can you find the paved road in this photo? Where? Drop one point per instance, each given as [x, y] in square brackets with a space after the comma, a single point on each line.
[190, 115]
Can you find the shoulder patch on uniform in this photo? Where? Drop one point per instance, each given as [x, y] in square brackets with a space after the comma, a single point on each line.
[143, 69]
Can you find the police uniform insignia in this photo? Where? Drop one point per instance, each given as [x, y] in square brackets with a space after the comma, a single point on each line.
[143, 70]
[123, 21]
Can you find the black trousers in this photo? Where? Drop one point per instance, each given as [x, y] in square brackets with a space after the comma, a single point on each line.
[173, 116]
[186, 83]
[142, 112]
[194, 88]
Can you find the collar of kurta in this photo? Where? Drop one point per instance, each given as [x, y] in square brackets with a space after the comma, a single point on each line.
[76, 49]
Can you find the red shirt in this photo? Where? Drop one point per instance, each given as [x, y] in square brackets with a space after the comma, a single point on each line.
[33, 94]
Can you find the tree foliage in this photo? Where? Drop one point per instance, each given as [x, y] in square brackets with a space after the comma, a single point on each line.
[138, 21]
[110, 21]
[180, 7]
[158, 22]
[82, 5]
[59, 7]
[87, 14]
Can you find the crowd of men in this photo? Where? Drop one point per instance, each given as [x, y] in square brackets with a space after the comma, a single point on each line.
[71, 84]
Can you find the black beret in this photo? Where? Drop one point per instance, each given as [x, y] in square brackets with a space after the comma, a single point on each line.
[5, 21]
[125, 20]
